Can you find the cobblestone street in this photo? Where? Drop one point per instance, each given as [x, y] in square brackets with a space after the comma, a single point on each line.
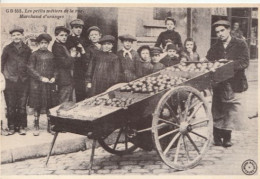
[218, 160]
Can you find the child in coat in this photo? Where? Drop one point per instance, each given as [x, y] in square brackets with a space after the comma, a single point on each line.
[129, 59]
[104, 70]
[172, 57]
[190, 53]
[42, 83]
[155, 53]
[64, 62]
[145, 59]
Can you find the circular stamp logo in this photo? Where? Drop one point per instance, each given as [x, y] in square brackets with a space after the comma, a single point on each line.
[249, 167]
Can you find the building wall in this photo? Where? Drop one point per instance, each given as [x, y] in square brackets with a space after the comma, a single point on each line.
[34, 26]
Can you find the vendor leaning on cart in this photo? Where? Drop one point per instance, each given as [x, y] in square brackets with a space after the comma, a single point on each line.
[228, 96]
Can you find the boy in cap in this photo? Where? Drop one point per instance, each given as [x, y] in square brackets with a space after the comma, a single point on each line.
[156, 57]
[43, 74]
[64, 61]
[14, 62]
[79, 43]
[104, 70]
[172, 57]
[228, 97]
[94, 35]
[129, 58]
[169, 35]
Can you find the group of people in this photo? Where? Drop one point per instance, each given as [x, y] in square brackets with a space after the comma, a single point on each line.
[50, 77]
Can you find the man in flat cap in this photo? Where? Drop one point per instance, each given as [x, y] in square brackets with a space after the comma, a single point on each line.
[129, 58]
[75, 39]
[14, 62]
[228, 97]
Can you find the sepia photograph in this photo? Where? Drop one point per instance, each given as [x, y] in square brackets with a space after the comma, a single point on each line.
[136, 89]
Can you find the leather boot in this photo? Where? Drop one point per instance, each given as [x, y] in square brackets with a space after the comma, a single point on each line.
[217, 136]
[36, 131]
[227, 138]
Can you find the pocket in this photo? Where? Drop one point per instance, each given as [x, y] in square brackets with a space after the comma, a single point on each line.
[227, 92]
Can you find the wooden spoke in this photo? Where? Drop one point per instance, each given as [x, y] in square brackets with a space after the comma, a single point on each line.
[179, 107]
[187, 106]
[195, 103]
[168, 122]
[117, 139]
[168, 133]
[171, 110]
[185, 148]
[171, 143]
[177, 151]
[199, 122]
[195, 111]
[199, 135]
[192, 142]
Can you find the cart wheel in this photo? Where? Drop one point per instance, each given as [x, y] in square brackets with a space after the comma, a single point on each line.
[118, 142]
[183, 133]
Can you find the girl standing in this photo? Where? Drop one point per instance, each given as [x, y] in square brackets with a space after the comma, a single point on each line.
[190, 52]
[43, 76]
[146, 65]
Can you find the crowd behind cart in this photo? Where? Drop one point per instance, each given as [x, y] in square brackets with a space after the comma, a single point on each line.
[43, 79]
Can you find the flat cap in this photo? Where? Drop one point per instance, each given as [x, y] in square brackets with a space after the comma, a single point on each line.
[93, 28]
[16, 28]
[171, 46]
[44, 36]
[156, 50]
[107, 38]
[171, 19]
[221, 23]
[143, 47]
[63, 28]
[77, 22]
[127, 37]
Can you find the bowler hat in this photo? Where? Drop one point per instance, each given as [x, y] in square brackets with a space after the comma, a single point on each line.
[156, 50]
[127, 37]
[93, 28]
[76, 22]
[61, 28]
[143, 47]
[221, 23]
[107, 38]
[16, 28]
[44, 36]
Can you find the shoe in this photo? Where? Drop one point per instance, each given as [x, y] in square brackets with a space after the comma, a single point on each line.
[36, 131]
[49, 126]
[22, 131]
[217, 137]
[227, 138]
[4, 132]
[11, 130]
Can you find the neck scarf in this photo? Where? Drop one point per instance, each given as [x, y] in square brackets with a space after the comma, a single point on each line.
[125, 52]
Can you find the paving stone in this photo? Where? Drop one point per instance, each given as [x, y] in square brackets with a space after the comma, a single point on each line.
[152, 167]
[140, 171]
[102, 171]
[128, 163]
[158, 171]
[119, 171]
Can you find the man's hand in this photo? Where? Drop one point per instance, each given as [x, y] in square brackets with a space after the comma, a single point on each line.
[52, 80]
[222, 60]
[81, 48]
[44, 80]
[89, 85]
